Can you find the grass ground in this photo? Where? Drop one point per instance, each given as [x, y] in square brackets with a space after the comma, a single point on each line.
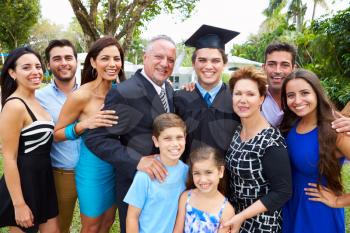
[115, 228]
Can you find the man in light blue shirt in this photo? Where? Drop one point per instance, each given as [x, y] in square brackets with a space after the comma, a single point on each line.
[62, 62]
[279, 63]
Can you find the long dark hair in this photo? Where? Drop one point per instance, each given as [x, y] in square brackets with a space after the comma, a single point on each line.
[206, 153]
[8, 84]
[88, 71]
[328, 165]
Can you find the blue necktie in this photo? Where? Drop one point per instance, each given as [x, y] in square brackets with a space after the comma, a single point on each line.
[207, 99]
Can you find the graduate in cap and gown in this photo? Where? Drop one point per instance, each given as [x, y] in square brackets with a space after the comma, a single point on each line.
[207, 110]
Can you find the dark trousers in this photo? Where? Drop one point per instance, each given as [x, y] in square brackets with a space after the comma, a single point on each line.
[122, 188]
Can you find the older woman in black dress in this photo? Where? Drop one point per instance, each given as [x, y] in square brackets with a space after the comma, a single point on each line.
[257, 160]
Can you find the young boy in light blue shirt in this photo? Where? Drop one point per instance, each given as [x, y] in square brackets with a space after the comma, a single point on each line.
[153, 205]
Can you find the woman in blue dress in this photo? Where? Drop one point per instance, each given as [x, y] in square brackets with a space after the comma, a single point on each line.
[95, 178]
[315, 151]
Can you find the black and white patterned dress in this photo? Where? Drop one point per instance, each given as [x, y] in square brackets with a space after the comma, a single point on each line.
[34, 166]
[249, 182]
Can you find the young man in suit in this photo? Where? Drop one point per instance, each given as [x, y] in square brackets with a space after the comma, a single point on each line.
[138, 101]
[207, 110]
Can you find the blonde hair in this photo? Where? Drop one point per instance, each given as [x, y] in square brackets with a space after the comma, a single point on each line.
[251, 73]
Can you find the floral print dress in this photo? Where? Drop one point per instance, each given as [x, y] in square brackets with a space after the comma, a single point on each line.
[199, 221]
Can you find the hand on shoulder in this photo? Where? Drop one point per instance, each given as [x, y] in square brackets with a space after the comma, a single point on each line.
[341, 124]
[153, 167]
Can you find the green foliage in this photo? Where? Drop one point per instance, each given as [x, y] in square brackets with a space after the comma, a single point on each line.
[323, 47]
[187, 61]
[135, 54]
[17, 17]
[75, 34]
[254, 48]
[44, 31]
[345, 176]
[125, 19]
[225, 77]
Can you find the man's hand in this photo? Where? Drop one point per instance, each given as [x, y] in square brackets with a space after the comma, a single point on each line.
[153, 167]
[341, 124]
[189, 86]
[102, 118]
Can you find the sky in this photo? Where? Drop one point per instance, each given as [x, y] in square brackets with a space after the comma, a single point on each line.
[244, 16]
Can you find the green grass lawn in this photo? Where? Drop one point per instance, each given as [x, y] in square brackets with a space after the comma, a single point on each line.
[346, 182]
[115, 228]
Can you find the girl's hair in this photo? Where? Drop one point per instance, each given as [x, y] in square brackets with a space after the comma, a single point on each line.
[8, 84]
[165, 121]
[328, 165]
[89, 74]
[206, 153]
[250, 73]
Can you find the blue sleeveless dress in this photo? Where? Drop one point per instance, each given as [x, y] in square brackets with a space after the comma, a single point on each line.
[95, 181]
[299, 213]
[199, 221]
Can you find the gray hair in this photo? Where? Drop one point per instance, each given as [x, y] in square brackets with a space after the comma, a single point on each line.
[156, 38]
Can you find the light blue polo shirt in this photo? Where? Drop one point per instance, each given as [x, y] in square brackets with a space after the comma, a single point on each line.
[65, 154]
[158, 201]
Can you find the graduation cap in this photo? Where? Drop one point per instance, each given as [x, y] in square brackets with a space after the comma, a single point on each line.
[210, 37]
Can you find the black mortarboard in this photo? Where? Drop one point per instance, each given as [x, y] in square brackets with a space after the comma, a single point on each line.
[210, 37]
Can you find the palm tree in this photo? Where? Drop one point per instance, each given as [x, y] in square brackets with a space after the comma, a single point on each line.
[274, 18]
[296, 10]
[318, 2]
[274, 5]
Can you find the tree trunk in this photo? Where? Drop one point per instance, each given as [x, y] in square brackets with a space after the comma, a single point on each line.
[86, 20]
[314, 11]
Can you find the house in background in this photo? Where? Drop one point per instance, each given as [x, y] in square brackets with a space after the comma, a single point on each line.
[235, 63]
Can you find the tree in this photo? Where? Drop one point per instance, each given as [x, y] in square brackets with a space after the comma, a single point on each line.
[296, 11]
[123, 18]
[17, 17]
[323, 47]
[42, 33]
[75, 34]
[275, 28]
[318, 2]
[45, 30]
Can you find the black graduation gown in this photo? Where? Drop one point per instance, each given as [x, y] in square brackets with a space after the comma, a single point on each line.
[213, 126]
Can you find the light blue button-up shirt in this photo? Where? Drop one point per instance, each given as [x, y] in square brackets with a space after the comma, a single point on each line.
[65, 154]
[213, 92]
